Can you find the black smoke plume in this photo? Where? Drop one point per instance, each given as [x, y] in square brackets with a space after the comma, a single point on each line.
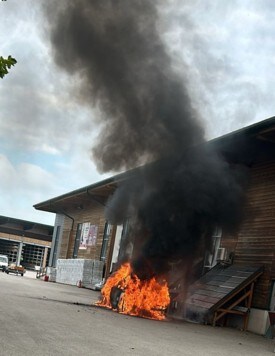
[121, 66]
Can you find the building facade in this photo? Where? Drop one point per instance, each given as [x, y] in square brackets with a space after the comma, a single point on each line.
[25, 243]
[81, 229]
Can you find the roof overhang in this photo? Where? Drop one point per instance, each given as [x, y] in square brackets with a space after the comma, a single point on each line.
[77, 199]
[26, 228]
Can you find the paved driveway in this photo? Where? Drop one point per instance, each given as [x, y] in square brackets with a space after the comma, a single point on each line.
[43, 318]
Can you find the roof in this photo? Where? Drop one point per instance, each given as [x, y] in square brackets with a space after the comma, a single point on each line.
[264, 126]
[249, 143]
[241, 146]
[26, 228]
[98, 191]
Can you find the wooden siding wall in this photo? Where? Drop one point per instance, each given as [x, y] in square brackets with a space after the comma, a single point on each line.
[255, 242]
[94, 214]
[229, 242]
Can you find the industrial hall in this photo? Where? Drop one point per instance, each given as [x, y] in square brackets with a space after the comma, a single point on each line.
[25, 243]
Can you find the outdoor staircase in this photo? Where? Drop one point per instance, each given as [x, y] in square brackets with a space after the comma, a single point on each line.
[222, 291]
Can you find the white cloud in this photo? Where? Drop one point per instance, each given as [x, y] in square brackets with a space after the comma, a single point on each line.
[21, 186]
[33, 177]
[228, 48]
[8, 173]
[49, 149]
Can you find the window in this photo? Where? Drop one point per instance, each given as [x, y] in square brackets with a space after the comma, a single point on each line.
[77, 240]
[124, 243]
[106, 237]
[211, 255]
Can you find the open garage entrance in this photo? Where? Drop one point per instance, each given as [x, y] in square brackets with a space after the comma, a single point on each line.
[25, 243]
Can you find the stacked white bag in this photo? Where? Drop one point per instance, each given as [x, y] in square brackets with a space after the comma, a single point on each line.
[76, 271]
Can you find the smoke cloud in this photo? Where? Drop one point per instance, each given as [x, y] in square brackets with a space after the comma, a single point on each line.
[184, 189]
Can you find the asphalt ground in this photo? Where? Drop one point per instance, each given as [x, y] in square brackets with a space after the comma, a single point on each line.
[42, 318]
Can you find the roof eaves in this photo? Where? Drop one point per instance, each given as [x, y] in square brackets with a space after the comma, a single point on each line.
[107, 181]
[8, 219]
[251, 129]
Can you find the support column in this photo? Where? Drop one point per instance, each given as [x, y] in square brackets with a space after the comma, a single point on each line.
[45, 257]
[19, 253]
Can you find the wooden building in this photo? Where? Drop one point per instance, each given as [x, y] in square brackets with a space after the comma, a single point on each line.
[25, 242]
[253, 245]
[80, 213]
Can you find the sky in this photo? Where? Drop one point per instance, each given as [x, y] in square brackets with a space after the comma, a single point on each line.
[224, 50]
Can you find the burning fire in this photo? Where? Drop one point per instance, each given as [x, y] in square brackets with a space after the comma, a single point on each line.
[126, 293]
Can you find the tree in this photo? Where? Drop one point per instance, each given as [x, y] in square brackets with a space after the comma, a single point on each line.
[5, 65]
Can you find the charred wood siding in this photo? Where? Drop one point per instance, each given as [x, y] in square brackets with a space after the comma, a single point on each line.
[256, 237]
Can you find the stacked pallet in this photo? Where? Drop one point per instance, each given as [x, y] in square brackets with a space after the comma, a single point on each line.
[92, 273]
[75, 271]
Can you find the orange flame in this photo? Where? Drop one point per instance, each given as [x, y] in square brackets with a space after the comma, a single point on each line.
[145, 298]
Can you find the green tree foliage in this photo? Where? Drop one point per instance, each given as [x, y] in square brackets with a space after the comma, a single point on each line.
[5, 65]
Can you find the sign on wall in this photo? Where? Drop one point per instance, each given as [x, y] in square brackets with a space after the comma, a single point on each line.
[88, 235]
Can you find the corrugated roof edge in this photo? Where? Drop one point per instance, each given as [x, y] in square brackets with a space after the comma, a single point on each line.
[114, 179]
